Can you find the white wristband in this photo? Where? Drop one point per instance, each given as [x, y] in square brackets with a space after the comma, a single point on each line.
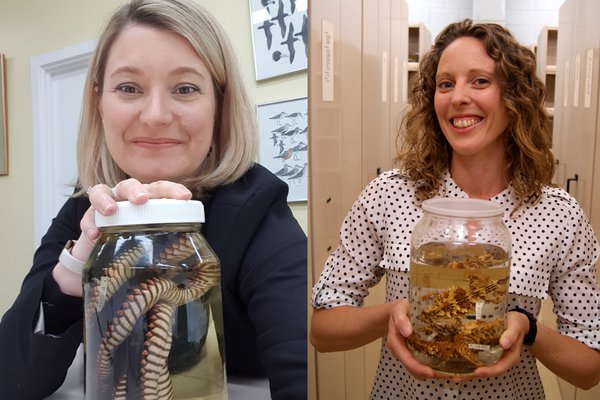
[70, 262]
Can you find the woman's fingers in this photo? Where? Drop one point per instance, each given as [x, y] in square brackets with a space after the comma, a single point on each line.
[103, 198]
[511, 340]
[89, 231]
[400, 319]
[167, 190]
[509, 359]
[399, 327]
[397, 344]
[517, 326]
[131, 190]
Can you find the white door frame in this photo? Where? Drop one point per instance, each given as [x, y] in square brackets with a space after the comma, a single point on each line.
[51, 145]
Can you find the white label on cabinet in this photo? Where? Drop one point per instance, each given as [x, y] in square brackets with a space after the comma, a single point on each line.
[396, 69]
[566, 85]
[384, 76]
[327, 70]
[576, 80]
[589, 69]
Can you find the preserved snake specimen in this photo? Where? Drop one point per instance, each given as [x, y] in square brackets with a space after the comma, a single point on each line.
[149, 298]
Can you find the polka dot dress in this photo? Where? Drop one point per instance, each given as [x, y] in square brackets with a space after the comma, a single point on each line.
[554, 252]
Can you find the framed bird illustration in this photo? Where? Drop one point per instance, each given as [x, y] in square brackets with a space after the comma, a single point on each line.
[279, 36]
[283, 143]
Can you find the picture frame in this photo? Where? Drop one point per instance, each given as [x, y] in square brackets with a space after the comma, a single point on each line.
[3, 120]
[279, 36]
[283, 143]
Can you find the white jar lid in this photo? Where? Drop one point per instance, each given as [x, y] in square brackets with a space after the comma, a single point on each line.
[458, 207]
[154, 211]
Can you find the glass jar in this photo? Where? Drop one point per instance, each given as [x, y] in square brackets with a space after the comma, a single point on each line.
[152, 305]
[459, 277]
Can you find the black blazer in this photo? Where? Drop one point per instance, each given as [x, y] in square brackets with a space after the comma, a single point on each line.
[264, 264]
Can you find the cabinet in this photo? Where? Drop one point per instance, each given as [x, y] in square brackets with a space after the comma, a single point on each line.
[546, 63]
[577, 120]
[546, 58]
[419, 42]
[358, 55]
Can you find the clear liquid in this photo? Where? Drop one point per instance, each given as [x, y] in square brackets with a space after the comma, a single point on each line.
[458, 305]
[153, 328]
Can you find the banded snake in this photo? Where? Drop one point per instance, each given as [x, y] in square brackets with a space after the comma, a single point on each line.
[151, 303]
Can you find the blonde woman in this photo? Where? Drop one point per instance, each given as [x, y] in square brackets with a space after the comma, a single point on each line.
[165, 114]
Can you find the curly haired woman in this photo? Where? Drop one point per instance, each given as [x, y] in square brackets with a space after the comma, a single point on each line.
[476, 128]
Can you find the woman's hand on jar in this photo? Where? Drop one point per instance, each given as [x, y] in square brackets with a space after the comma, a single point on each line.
[68, 280]
[399, 328]
[511, 341]
[104, 199]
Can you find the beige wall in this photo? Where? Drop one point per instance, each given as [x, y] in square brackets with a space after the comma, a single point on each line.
[29, 28]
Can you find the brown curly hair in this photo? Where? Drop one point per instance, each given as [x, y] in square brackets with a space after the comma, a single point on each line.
[425, 154]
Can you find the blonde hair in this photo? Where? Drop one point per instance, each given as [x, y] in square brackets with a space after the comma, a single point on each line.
[234, 143]
[425, 153]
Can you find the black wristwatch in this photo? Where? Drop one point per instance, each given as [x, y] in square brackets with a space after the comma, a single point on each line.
[530, 336]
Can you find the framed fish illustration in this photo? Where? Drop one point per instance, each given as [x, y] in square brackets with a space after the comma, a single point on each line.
[279, 36]
[283, 143]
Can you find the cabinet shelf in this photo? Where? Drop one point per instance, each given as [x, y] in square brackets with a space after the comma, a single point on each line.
[546, 52]
[419, 42]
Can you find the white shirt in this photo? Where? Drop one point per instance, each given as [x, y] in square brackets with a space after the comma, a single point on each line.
[554, 252]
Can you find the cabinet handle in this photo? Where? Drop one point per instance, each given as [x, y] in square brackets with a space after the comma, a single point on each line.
[576, 178]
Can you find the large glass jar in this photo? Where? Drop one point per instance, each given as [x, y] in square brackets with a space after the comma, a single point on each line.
[459, 277]
[153, 313]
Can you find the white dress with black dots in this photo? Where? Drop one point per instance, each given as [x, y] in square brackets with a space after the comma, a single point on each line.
[554, 252]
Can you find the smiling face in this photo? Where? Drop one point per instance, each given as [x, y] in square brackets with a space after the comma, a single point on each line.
[468, 101]
[158, 105]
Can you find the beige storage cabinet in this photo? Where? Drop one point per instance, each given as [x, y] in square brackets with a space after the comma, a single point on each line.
[576, 130]
[358, 60]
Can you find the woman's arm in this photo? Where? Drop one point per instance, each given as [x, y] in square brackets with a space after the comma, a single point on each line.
[346, 327]
[568, 358]
[263, 253]
[573, 351]
[26, 356]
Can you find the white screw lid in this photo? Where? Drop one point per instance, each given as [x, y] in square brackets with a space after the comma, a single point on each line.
[458, 207]
[154, 211]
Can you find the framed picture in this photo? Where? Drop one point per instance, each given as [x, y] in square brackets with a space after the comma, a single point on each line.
[283, 143]
[279, 36]
[3, 124]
